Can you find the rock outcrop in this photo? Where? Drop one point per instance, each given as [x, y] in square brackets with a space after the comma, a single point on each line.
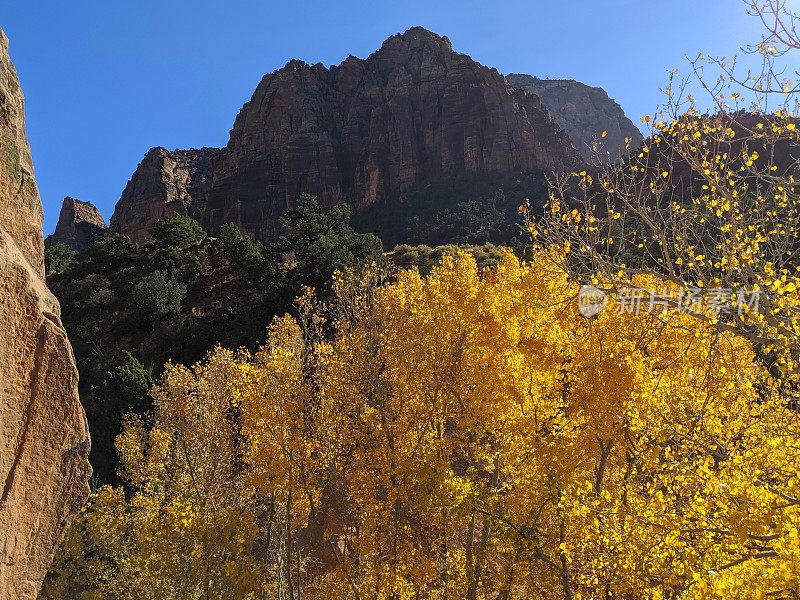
[584, 112]
[165, 182]
[79, 226]
[367, 130]
[44, 441]
[364, 131]
[21, 210]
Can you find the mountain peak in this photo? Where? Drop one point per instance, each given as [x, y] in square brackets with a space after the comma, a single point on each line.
[416, 38]
[367, 131]
[79, 226]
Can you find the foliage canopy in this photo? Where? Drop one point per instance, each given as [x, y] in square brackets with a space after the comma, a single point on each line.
[468, 435]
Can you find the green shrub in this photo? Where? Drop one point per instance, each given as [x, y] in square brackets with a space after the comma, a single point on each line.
[58, 258]
[236, 247]
[422, 257]
[157, 297]
[425, 258]
[324, 241]
[487, 255]
[101, 298]
[92, 282]
[163, 258]
[124, 389]
[193, 269]
[176, 231]
[126, 386]
[111, 249]
[126, 275]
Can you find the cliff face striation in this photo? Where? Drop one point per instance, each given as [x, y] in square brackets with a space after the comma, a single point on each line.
[584, 112]
[364, 132]
[44, 442]
[165, 182]
[79, 226]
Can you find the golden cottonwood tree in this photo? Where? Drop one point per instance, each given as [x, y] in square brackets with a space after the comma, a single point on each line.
[471, 435]
[185, 527]
[709, 203]
[464, 435]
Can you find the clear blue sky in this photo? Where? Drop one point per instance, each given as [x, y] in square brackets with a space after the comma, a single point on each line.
[107, 79]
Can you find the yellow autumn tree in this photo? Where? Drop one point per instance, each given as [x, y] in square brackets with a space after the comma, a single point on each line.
[184, 527]
[709, 202]
[472, 435]
[475, 434]
[469, 434]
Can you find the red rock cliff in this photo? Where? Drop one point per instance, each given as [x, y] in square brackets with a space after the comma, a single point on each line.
[584, 112]
[362, 132]
[164, 183]
[366, 130]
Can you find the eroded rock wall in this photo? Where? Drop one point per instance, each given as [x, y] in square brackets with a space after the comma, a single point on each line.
[44, 440]
[20, 209]
[367, 130]
[361, 132]
[165, 182]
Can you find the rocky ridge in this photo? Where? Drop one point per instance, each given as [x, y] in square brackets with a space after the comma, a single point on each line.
[165, 182]
[79, 226]
[584, 112]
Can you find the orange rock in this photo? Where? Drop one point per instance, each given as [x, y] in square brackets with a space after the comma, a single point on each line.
[20, 207]
[44, 440]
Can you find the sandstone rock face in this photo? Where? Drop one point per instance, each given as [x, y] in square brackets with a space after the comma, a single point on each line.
[44, 441]
[584, 112]
[165, 182]
[366, 130]
[21, 210]
[79, 226]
